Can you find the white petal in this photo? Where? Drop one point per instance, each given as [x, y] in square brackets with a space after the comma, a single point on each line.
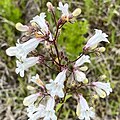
[29, 62]
[98, 37]
[40, 20]
[17, 70]
[61, 77]
[100, 92]
[83, 104]
[30, 45]
[104, 86]
[82, 60]
[30, 99]
[22, 73]
[11, 51]
[60, 93]
[50, 103]
[79, 76]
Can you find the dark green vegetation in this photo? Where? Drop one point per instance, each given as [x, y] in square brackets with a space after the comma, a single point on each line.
[101, 14]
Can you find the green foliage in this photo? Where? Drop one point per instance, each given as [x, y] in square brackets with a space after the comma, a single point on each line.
[72, 37]
[9, 10]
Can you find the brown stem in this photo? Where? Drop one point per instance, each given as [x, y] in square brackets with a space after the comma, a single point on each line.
[54, 17]
[77, 58]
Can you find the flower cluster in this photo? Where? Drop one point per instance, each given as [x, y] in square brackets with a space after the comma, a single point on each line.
[42, 103]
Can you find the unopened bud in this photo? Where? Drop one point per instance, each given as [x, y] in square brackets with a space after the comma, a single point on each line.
[85, 81]
[37, 80]
[101, 49]
[50, 6]
[76, 12]
[30, 87]
[21, 27]
[84, 68]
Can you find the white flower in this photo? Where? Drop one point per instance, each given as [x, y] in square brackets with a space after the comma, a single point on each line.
[79, 76]
[21, 50]
[40, 20]
[34, 113]
[63, 9]
[102, 89]
[56, 86]
[29, 100]
[94, 40]
[83, 110]
[49, 111]
[46, 112]
[27, 63]
[37, 80]
[82, 60]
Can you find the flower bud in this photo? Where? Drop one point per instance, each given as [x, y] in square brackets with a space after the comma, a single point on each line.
[37, 80]
[50, 6]
[21, 27]
[85, 81]
[30, 87]
[101, 49]
[84, 68]
[76, 12]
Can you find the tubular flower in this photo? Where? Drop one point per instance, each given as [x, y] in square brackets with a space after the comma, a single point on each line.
[40, 20]
[21, 50]
[49, 110]
[27, 63]
[63, 9]
[46, 112]
[83, 110]
[94, 40]
[34, 113]
[66, 16]
[37, 80]
[56, 86]
[31, 99]
[102, 89]
[82, 60]
[79, 75]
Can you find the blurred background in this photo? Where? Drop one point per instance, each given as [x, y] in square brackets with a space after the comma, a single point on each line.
[100, 14]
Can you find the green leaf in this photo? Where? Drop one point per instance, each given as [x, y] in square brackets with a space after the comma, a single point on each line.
[67, 97]
[59, 105]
